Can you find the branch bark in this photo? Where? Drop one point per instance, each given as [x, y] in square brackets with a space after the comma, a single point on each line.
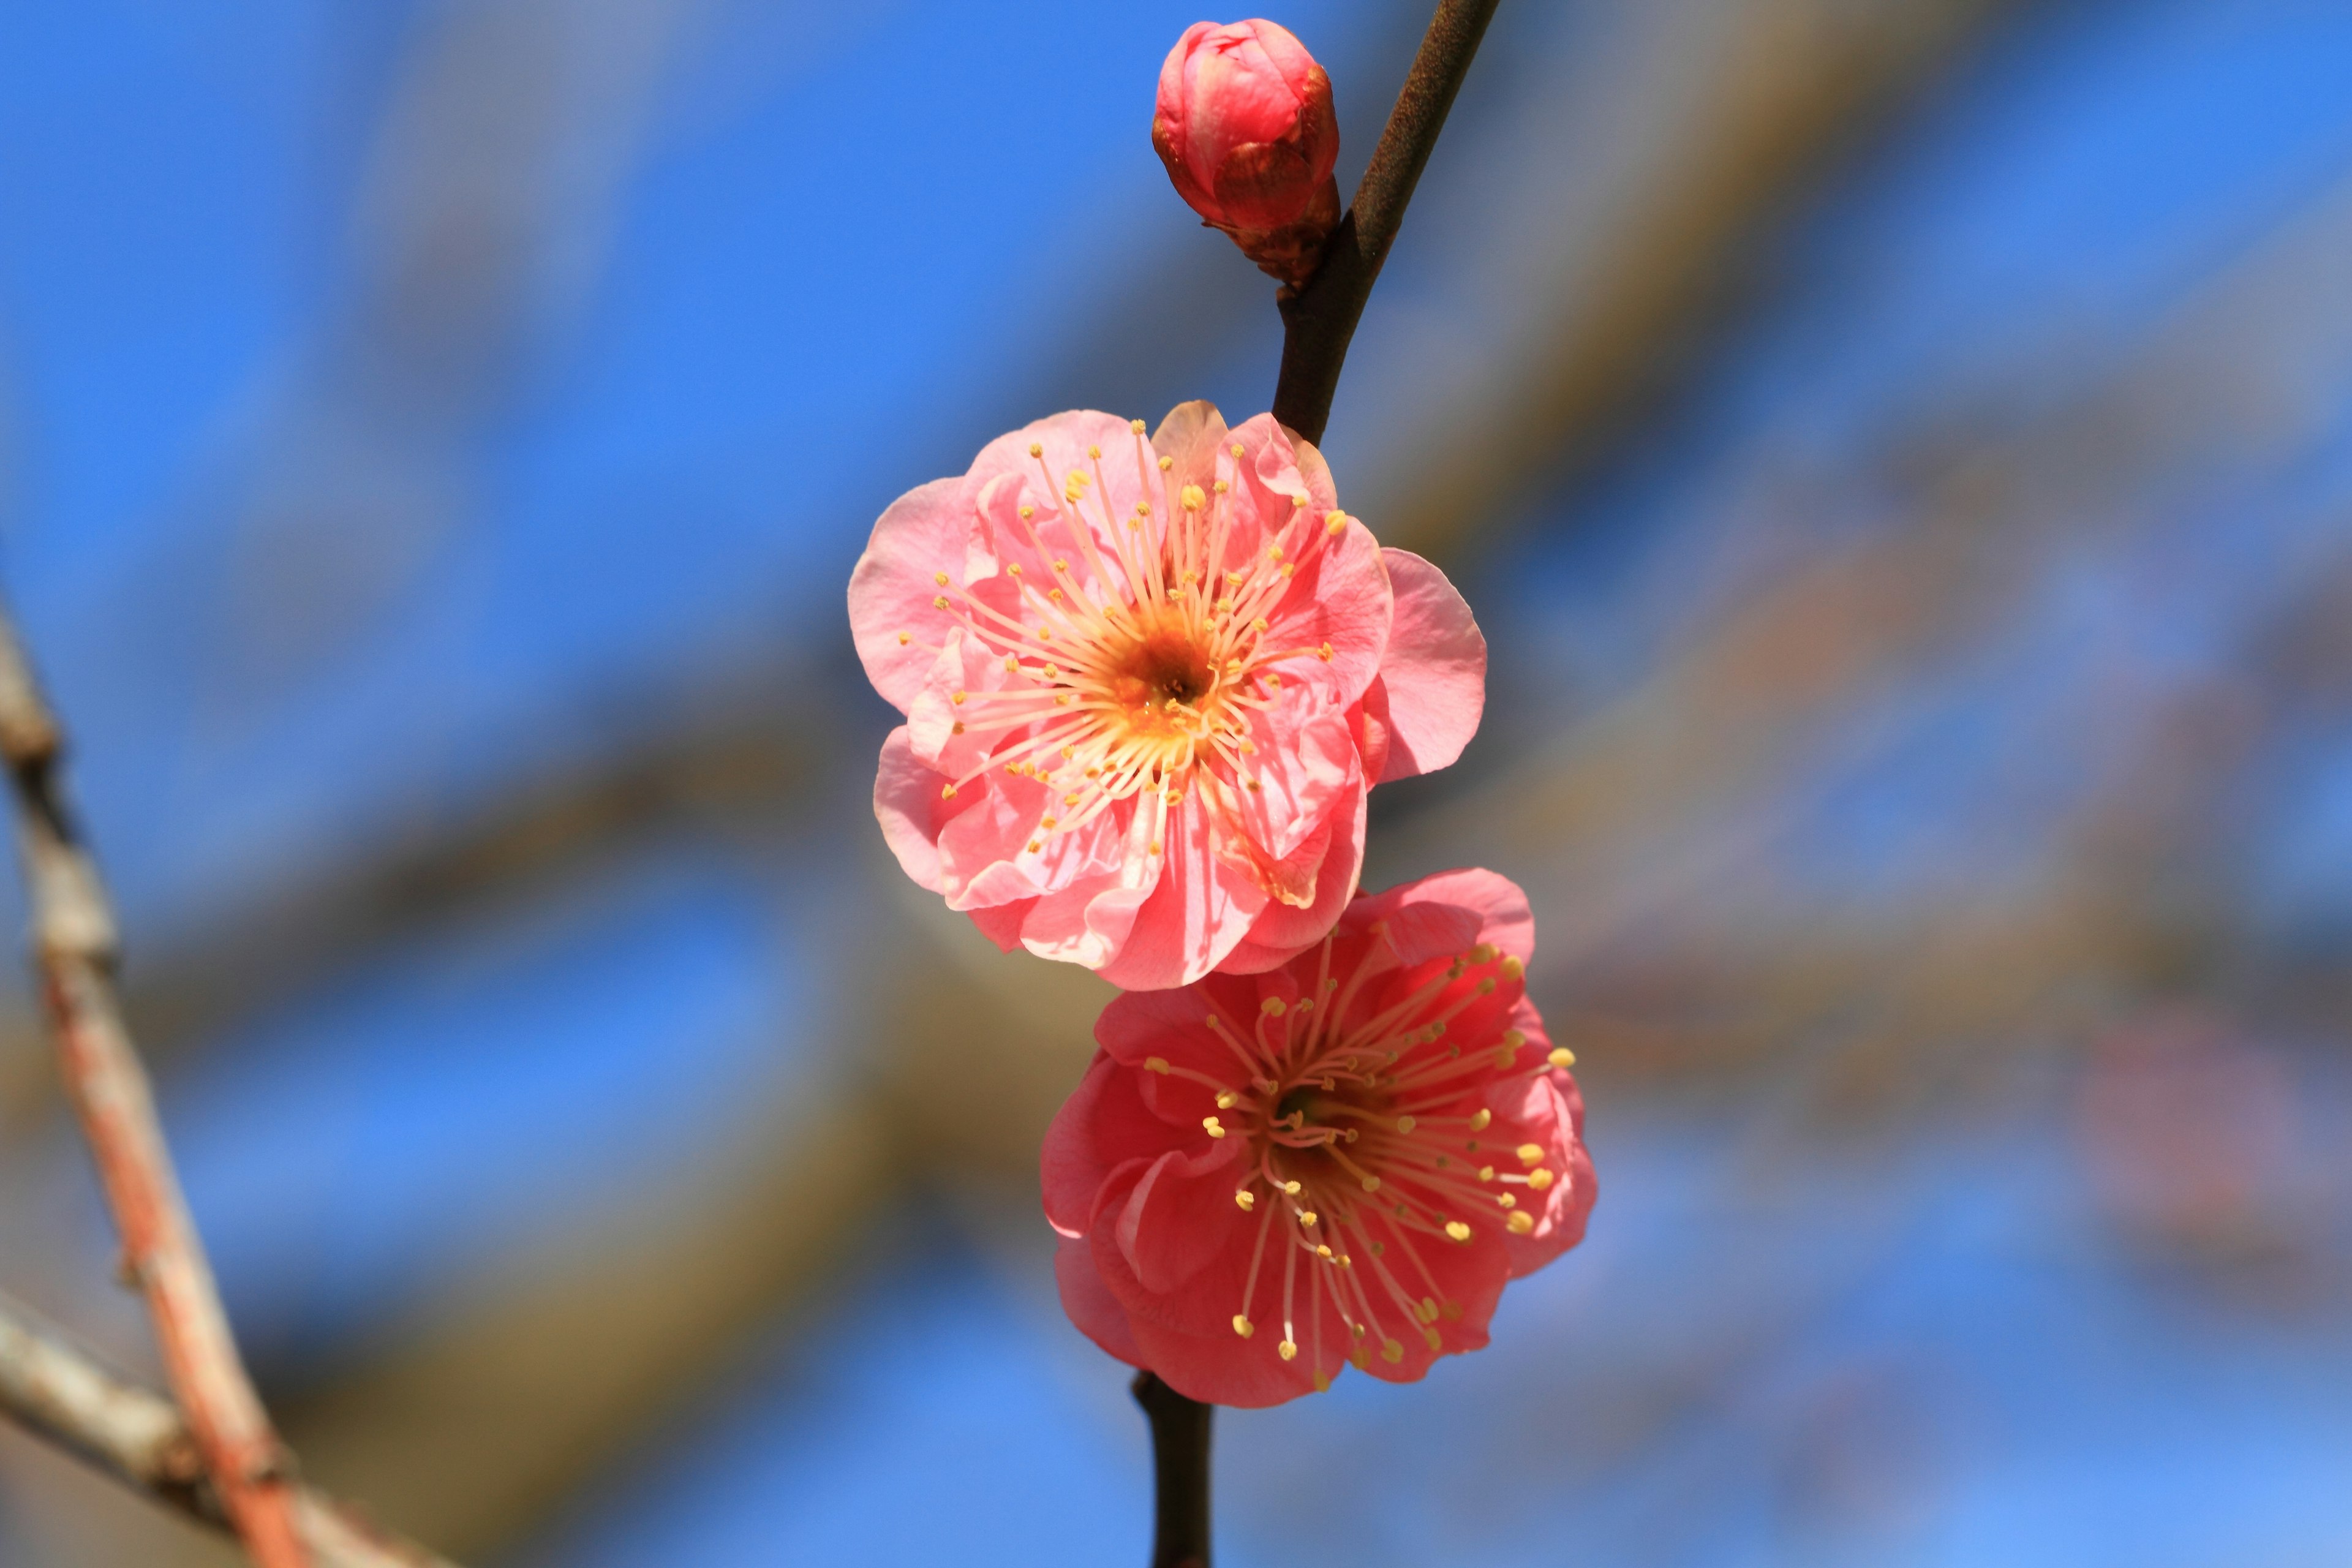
[1319, 320]
[1180, 1463]
[74, 953]
[56, 1392]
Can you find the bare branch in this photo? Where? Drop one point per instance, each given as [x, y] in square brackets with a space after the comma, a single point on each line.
[1320, 320]
[56, 1392]
[74, 953]
[1180, 1463]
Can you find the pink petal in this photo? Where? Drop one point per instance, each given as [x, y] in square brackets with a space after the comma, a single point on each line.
[907, 804]
[1090, 1302]
[1199, 908]
[1434, 670]
[923, 532]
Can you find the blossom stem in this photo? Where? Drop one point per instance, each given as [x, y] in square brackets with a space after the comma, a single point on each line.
[1319, 318]
[74, 951]
[1180, 1454]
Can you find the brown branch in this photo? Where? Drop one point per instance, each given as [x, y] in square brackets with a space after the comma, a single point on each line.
[1320, 320]
[1179, 1465]
[56, 1392]
[74, 951]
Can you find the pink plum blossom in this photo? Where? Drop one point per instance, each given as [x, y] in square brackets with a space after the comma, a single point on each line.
[1246, 126]
[1148, 685]
[1265, 1178]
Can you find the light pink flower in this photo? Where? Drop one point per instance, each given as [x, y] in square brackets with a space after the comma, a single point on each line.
[1264, 1178]
[1243, 122]
[1147, 686]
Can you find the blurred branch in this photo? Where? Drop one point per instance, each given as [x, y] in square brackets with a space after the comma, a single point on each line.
[74, 951]
[54, 1391]
[1320, 320]
[1788, 89]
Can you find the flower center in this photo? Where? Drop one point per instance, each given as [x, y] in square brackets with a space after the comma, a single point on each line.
[1363, 1125]
[1142, 673]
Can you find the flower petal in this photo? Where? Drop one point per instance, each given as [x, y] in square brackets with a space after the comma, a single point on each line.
[1434, 671]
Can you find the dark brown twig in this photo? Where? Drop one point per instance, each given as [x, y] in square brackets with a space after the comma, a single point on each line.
[1180, 1465]
[1319, 320]
[74, 951]
[54, 1391]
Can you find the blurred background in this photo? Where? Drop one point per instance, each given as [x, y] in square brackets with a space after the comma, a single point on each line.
[1900, 451]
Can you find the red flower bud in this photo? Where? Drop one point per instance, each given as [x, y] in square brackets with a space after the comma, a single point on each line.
[1245, 125]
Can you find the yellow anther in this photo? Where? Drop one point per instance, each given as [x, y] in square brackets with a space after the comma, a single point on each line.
[1513, 968]
[1232, 667]
[1322, 1383]
[1323, 1252]
[956, 728]
[1094, 451]
[1478, 1122]
[1258, 625]
[1037, 450]
[1015, 568]
[1155, 1064]
[1034, 847]
[1054, 594]
[1274, 552]
[1485, 953]
[1243, 1326]
[941, 578]
[1010, 664]
[1237, 449]
[1335, 523]
[1457, 1230]
[1392, 1351]
[1486, 986]
[1211, 1123]
[1486, 1172]
[939, 601]
[1191, 498]
[1221, 487]
[1286, 1350]
[1531, 1154]
[946, 792]
[1027, 512]
[1226, 1100]
[1060, 564]
[905, 637]
[1155, 848]
[1506, 1201]
[1049, 823]
[1143, 509]
[1539, 1178]
[1561, 1057]
[1245, 1200]
[1307, 1218]
[1272, 1007]
[1274, 681]
[1372, 1184]
[1298, 504]
[1166, 464]
[1428, 1308]
[1520, 1224]
[1136, 425]
[1324, 653]
[957, 697]
[1406, 1123]
[1291, 1188]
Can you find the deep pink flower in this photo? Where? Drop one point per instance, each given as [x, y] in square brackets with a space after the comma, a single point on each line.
[1147, 685]
[1263, 1178]
[1244, 124]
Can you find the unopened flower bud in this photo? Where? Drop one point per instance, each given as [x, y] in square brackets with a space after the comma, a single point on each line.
[1245, 125]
